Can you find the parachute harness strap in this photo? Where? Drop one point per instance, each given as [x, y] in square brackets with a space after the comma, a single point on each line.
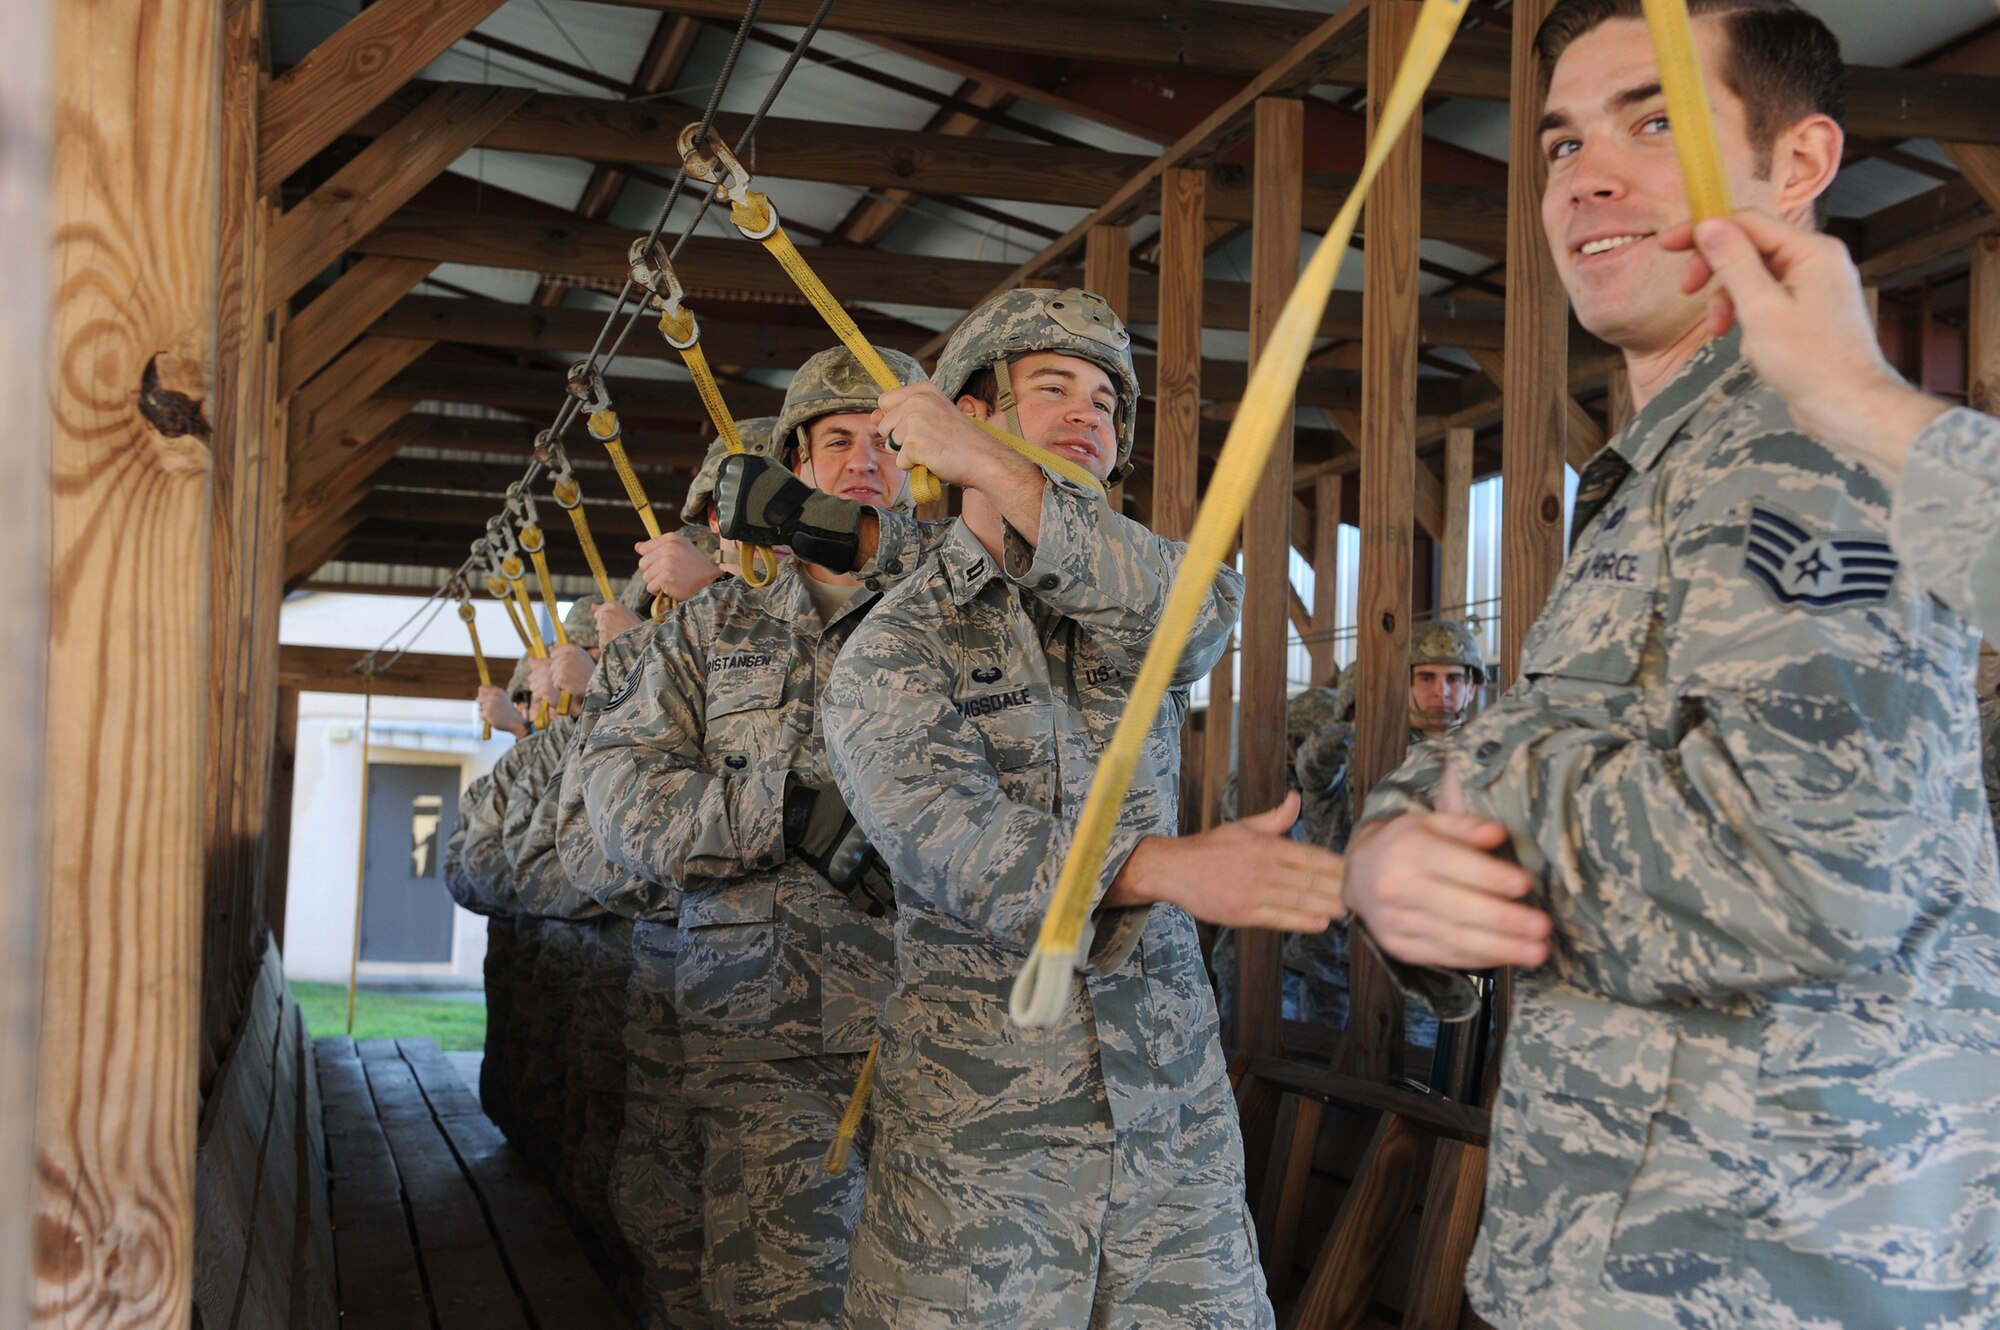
[522, 504]
[757, 218]
[586, 384]
[511, 568]
[466, 612]
[1041, 992]
[652, 272]
[569, 497]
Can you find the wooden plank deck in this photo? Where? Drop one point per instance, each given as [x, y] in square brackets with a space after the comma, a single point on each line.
[436, 1222]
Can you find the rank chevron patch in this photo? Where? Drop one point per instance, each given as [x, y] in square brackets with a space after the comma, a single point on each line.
[1818, 572]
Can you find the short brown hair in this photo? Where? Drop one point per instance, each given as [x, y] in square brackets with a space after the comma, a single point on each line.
[1783, 63]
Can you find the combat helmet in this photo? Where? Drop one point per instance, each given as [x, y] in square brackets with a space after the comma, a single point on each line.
[1448, 642]
[760, 437]
[1311, 710]
[832, 383]
[1350, 685]
[517, 682]
[1071, 322]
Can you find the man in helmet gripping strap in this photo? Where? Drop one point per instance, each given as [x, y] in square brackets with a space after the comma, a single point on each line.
[706, 773]
[965, 719]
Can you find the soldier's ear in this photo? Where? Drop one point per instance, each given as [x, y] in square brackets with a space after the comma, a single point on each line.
[975, 407]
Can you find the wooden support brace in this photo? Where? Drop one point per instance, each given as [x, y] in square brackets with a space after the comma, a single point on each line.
[343, 312]
[1283, 1199]
[334, 397]
[1445, 1236]
[1456, 543]
[1328, 492]
[1177, 390]
[351, 72]
[1391, 1178]
[385, 176]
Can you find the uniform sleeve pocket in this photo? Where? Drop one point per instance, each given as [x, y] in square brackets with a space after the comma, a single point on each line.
[1021, 737]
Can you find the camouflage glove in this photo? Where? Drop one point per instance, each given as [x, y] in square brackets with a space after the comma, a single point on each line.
[759, 502]
[820, 832]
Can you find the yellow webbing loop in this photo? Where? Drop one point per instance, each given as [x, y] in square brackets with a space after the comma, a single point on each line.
[517, 582]
[604, 427]
[466, 612]
[757, 219]
[496, 586]
[1041, 992]
[537, 547]
[850, 1121]
[1687, 108]
[573, 505]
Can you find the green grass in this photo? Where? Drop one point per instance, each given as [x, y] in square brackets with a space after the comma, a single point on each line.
[457, 1026]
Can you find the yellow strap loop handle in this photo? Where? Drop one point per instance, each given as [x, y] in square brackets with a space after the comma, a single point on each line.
[757, 564]
[496, 586]
[536, 545]
[569, 497]
[850, 1121]
[1687, 108]
[1041, 992]
[604, 427]
[466, 612]
[517, 582]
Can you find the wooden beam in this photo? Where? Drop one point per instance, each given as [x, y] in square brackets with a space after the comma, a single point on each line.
[385, 176]
[873, 218]
[929, 161]
[1905, 239]
[714, 268]
[1534, 396]
[1388, 1182]
[26, 107]
[1261, 756]
[1585, 435]
[1179, 367]
[1328, 500]
[1387, 440]
[1456, 543]
[1218, 745]
[540, 392]
[342, 312]
[417, 674]
[323, 406]
[135, 227]
[1980, 164]
[306, 557]
[368, 420]
[1107, 267]
[351, 72]
[284, 764]
[1445, 1236]
[1308, 59]
[1982, 331]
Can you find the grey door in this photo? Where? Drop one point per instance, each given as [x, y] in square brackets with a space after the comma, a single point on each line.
[406, 915]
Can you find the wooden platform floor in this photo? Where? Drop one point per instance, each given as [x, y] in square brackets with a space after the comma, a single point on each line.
[437, 1223]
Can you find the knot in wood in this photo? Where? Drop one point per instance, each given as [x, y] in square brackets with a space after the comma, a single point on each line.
[175, 415]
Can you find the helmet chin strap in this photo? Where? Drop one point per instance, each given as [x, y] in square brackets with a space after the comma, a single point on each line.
[1003, 380]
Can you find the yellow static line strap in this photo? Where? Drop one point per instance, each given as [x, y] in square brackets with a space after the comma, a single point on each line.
[512, 617]
[573, 505]
[755, 217]
[850, 1122]
[538, 552]
[1041, 992]
[1687, 108]
[757, 564]
[466, 612]
[604, 427]
[536, 647]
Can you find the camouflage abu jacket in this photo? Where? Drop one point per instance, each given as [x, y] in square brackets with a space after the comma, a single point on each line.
[464, 878]
[1946, 520]
[561, 816]
[486, 874]
[529, 832]
[965, 719]
[1756, 1082]
[683, 780]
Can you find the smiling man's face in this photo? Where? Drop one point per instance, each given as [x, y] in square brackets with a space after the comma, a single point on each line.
[1068, 405]
[1615, 181]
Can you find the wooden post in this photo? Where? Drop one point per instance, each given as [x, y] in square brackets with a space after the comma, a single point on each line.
[136, 189]
[1534, 398]
[1388, 501]
[1457, 539]
[278, 816]
[1107, 270]
[1177, 393]
[1267, 547]
[1982, 333]
[25, 36]
[1329, 495]
[1177, 399]
[1218, 751]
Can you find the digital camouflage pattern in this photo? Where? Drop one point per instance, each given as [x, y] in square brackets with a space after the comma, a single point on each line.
[1946, 519]
[1447, 642]
[831, 383]
[760, 439]
[1072, 322]
[1754, 1083]
[1989, 738]
[684, 780]
[965, 719]
[474, 857]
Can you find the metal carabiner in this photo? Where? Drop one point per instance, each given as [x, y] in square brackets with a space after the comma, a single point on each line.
[586, 385]
[655, 275]
[721, 170]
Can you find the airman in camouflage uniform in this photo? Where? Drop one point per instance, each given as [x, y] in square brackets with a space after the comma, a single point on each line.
[707, 771]
[1090, 1173]
[1945, 520]
[588, 962]
[1753, 1081]
[479, 878]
